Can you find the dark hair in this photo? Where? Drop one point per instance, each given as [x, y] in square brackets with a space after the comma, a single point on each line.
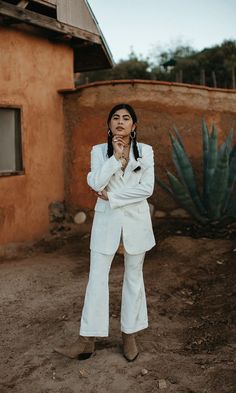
[110, 136]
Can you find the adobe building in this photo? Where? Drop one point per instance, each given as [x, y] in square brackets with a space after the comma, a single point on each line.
[42, 44]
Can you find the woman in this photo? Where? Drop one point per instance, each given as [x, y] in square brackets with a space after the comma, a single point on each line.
[122, 175]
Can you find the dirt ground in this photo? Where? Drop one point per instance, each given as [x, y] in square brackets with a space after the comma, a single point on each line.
[189, 347]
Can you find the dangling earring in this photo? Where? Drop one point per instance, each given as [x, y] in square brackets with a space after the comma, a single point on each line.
[110, 133]
[133, 134]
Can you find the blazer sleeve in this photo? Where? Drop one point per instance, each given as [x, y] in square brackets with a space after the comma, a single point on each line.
[128, 195]
[101, 171]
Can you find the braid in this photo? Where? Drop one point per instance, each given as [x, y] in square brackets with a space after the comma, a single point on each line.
[135, 148]
[109, 144]
[136, 152]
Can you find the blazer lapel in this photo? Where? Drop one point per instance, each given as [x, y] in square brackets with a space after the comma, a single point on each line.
[132, 164]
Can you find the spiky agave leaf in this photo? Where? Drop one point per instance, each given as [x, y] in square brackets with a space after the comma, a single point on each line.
[185, 169]
[179, 138]
[232, 153]
[181, 194]
[231, 209]
[232, 170]
[218, 185]
[205, 147]
[228, 143]
[164, 186]
[231, 177]
[212, 155]
[175, 158]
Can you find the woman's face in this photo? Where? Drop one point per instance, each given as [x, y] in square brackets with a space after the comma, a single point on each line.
[122, 123]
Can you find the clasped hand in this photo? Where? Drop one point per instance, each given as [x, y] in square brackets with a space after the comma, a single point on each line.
[118, 146]
[102, 194]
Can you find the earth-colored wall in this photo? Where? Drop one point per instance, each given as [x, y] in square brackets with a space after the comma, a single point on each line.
[32, 70]
[159, 106]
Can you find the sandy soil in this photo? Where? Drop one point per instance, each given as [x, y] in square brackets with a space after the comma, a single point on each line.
[189, 347]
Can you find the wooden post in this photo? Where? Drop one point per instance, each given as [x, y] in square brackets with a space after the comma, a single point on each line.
[202, 77]
[214, 78]
[180, 76]
[233, 78]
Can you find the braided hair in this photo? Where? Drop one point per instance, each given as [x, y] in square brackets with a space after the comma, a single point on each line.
[133, 133]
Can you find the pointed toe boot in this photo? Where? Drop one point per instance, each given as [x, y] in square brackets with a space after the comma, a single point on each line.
[130, 349]
[81, 349]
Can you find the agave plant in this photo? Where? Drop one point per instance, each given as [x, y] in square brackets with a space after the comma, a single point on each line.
[216, 203]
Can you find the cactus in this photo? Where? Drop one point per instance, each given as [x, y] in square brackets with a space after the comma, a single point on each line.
[216, 203]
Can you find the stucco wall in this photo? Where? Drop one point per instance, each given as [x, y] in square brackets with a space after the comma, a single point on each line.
[32, 70]
[159, 106]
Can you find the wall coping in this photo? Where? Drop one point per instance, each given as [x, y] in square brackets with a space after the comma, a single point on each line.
[145, 82]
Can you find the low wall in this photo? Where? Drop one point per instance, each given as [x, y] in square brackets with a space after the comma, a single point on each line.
[159, 106]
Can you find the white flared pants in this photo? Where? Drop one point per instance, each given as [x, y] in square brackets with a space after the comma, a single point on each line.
[95, 314]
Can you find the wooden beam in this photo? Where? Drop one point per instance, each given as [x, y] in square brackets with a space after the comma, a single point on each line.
[45, 22]
[23, 3]
[51, 4]
[82, 44]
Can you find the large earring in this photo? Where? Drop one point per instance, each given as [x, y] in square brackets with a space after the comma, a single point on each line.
[133, 134]
[110, 133]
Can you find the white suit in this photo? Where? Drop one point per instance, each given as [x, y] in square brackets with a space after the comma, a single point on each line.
[127, 208]
[125, 216]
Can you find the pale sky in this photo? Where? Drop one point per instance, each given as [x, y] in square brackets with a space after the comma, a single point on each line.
[142, 25]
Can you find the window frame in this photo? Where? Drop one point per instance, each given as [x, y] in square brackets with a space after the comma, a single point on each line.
[20, 141]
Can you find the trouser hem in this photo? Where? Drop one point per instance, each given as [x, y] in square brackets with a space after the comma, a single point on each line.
[93, 334]
[134, 330]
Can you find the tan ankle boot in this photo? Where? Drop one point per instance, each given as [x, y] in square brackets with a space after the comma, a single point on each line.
[130, 349]
[81, 349]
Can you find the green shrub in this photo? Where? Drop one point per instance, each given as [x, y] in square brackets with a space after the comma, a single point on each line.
[216, 203]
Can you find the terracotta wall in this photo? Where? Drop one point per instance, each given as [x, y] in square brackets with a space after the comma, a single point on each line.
[32, 70]
[159, 106]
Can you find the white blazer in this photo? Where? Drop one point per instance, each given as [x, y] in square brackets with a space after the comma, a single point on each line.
[126, 212]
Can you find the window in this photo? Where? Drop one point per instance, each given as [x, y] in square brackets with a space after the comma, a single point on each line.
[10, 141]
